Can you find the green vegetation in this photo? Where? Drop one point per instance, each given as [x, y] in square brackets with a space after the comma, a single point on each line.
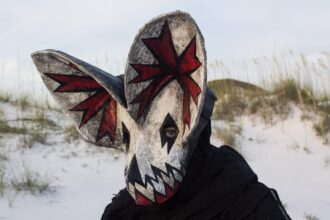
[5, 97]
[32, 182]
[5, 128]
[26, 181]
[229, 135]
[322, 127]
[310, 217]
[33, 137]
[71, 133]
[282, 86]
[235, 100]
[3, 184]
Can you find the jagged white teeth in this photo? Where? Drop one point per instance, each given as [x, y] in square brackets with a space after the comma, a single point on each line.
[159, 186]
[131, 188]
[177, 175]
[168, 180]
[145, 192]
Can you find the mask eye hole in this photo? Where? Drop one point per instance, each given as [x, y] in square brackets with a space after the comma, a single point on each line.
[170, 132]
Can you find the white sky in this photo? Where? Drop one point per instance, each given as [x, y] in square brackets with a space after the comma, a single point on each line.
[101, 31]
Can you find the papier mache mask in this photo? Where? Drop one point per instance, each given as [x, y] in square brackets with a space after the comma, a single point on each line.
[154, 113]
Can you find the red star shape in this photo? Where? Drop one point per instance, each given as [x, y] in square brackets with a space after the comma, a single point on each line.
[100, 99]
[170, 67]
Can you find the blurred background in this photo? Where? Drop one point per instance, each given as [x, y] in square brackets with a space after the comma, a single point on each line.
[101, 32]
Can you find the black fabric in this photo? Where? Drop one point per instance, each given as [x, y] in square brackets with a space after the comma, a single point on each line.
[218, 184]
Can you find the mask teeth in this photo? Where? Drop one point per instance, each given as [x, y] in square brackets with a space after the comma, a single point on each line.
[142, 193]
[170, 191]
[169, 176]
[146, 198]
[177, 175]
[141, 199]
[158, 186]
[183, 169]
[158, 189]
[168, 180]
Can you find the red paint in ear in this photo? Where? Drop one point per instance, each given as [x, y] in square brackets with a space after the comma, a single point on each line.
[98, 101]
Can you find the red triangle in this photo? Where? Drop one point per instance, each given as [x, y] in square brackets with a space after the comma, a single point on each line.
[160, 198]
[176, 185]
[169, 191]
[141, 199]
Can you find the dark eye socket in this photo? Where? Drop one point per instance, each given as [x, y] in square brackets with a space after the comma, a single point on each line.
[126, 137]
[170, 132]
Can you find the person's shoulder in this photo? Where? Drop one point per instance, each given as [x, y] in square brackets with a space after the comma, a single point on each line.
[119, 207]
[228, 153]
[232, 162]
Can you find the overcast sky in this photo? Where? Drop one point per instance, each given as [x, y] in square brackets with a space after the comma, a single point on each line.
[103, 30]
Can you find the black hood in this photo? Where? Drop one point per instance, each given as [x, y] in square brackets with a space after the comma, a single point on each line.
[215, 180]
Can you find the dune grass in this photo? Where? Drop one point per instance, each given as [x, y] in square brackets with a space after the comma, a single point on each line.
[27, 181]
[308, 216]
[32, 182]
[282, 84]
[272, 104]
[283, 81]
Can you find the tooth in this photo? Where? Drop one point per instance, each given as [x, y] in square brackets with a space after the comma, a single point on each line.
[131, 187]
[145, 192]
[177, 175]
[159, 186]
[168, 180]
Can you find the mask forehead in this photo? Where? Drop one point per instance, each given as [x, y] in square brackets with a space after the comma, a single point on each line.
[166, 103]
[168, 49]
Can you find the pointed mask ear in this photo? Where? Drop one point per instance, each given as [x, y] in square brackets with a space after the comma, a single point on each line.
[92, 98]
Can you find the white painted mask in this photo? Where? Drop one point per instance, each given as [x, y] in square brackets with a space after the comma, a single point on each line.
[153, 114]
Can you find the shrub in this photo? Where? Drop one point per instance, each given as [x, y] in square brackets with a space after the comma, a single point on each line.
[71, 133]
[6, 128]
[322, 127]
[310, 217]
[34, 136]
[229, 135]
[3, 184]
[5, 96]
[32, 182]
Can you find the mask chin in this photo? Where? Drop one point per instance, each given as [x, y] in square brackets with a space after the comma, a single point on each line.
[156, 188]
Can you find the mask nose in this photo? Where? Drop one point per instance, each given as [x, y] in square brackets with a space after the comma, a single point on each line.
[133, 172]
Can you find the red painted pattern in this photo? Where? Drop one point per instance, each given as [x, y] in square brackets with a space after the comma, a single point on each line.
[141, 199]
[169, 193]
[99, 100]
[170, 67]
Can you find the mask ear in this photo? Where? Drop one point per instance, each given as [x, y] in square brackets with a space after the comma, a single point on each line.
[92, 98]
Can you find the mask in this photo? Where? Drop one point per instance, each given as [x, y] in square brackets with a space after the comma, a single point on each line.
[154, 113]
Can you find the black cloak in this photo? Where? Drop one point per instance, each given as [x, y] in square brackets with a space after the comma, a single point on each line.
[219, 184]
